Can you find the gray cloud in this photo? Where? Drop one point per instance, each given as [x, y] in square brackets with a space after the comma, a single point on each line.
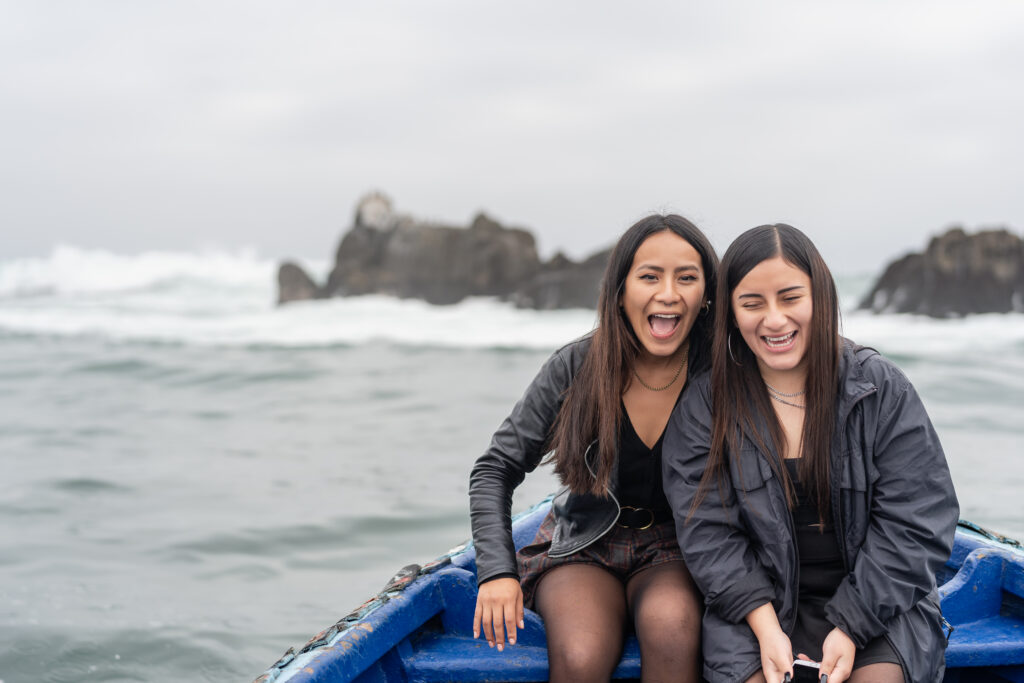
[172, 125]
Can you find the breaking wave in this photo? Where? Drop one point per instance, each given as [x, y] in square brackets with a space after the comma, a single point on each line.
[70, 270]
[221, 298]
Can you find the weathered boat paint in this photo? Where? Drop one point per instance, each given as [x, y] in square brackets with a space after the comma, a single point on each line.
[419, 628]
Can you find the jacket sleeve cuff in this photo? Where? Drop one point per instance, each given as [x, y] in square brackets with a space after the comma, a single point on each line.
[494, 560]
[485, 571]
[736, 602]
[846, 612]
[502, 575]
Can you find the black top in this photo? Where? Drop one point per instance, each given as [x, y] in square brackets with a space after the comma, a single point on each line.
[640, 471]
[821, 565]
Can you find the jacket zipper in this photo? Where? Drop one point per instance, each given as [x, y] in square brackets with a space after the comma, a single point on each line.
[836, 485]
[837, 513]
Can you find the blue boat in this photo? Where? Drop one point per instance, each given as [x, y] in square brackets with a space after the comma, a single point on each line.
[419, 628]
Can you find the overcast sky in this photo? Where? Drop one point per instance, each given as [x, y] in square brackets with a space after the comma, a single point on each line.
[175, 125]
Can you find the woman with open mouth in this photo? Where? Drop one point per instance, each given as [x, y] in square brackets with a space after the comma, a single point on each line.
[812, 496]
[606, 559]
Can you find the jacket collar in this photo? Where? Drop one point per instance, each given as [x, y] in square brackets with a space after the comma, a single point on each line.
[854, 383]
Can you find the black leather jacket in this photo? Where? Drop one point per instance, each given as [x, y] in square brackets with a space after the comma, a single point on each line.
[516, 449]
[894, 508]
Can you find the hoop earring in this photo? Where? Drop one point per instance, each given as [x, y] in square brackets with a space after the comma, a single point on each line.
[706, 308]
[728, 345]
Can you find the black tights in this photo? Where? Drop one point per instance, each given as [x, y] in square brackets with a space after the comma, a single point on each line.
[585, 610]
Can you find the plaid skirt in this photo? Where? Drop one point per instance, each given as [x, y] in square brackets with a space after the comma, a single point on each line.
[622, 551]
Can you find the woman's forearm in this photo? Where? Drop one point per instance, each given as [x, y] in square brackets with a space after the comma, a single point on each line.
[763, 621]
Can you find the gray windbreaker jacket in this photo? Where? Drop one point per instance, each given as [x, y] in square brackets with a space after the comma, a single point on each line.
[894, 508]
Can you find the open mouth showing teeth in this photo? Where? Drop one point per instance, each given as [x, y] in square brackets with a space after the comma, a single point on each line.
[781, 341]
[663, 324]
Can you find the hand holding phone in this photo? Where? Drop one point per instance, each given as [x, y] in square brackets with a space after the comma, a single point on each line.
[805, 671]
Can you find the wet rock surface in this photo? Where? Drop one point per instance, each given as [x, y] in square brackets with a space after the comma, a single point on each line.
[958, 274]
[294, 284]
[563, 283]
[385, 252]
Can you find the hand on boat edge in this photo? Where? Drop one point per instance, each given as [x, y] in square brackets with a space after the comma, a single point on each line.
[499, 609]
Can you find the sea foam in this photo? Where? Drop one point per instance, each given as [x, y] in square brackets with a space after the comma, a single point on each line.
[73, 270]
[228, 299]
[221, 298]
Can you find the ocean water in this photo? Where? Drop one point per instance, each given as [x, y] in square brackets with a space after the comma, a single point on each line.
[196, 480]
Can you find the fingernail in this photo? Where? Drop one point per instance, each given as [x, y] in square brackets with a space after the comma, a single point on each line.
[476, 634]
[522, 624]
[501, 648]
[511, 641]
[824, 678]
[490, 643]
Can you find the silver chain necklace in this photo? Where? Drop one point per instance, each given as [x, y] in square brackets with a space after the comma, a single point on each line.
[781, 397]
[679, 371]
[782, 393]
[788, 403]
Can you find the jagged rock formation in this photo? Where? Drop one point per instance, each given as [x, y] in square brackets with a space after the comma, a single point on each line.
[958, 274]
[294, 284]
[385, 252]
[441, 264]
[562, 283]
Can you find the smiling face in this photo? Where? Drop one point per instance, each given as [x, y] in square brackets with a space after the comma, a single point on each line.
[663, 292]
[772, 309]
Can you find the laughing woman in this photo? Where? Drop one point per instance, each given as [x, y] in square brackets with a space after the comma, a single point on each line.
[606, 556]
[812, 497]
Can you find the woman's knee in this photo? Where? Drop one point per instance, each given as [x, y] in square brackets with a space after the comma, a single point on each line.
[584, 650]
[584, 611]
[582, 661]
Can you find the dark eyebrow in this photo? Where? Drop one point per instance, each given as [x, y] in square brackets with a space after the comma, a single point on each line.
[750, 296]
[790, 289]
[662, 270]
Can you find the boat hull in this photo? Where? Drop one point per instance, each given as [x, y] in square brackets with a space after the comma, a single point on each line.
[419, 628]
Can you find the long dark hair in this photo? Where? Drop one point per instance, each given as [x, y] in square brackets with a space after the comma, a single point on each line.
[592, 409]
[740, 401]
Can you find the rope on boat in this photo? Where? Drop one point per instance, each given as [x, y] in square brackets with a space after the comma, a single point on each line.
[395, 585]
[990, 535]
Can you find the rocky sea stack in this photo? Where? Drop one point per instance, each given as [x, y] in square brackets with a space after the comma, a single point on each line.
[958, 274]
[385, 252]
